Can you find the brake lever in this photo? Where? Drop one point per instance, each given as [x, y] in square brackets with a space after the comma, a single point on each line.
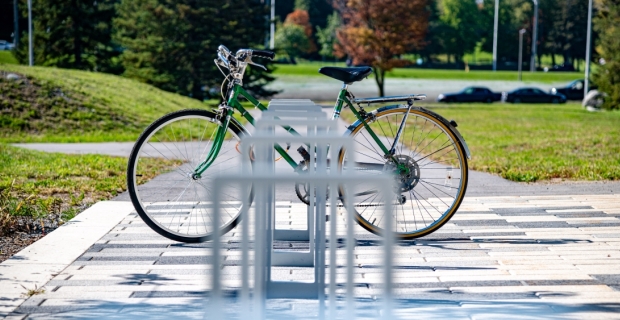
[223, 60]
[258, 65]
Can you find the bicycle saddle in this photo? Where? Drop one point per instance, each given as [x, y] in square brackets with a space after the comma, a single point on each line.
[346, 75]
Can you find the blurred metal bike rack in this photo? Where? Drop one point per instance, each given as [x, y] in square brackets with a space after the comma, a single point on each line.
[323, 142]
[288, 112]
[306, 116]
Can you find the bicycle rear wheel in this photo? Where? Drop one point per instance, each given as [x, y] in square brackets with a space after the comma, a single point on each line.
[430, 172]
[159, 176]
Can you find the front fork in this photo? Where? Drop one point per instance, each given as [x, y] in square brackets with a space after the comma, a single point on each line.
[226, 114]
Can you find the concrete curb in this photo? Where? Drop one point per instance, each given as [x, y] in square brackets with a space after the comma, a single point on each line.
[43, 260]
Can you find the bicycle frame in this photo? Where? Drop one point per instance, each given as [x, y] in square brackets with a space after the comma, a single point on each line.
[344, 98]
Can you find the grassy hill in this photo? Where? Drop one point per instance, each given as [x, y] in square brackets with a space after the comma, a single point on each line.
[59, 105]
[7, 57]
[39, 191]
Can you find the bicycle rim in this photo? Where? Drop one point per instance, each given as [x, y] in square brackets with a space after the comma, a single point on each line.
[428, 195]
[160, 181]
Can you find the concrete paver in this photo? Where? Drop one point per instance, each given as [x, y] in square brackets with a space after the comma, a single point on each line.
[555, 271]
[37, 264]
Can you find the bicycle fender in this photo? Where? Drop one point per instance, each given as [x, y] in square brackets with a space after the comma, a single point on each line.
[430, 113]
[452, 128]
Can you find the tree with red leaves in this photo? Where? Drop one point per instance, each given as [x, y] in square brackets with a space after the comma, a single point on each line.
[302, 18]
[377, 32]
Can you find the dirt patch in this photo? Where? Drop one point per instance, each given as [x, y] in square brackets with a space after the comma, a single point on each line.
[19, 232]
[25, 218]
[14, 244]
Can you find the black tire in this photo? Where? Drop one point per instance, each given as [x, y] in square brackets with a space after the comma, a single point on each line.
[432, 172]
[489, 100]
[159, 154]
[516, 100]
[555, 100]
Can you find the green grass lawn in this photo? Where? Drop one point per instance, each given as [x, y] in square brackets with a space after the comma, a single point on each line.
[59, 105]
[36, 183]
[7, 57]
[56, 105]
[529, 142]
[311, 69]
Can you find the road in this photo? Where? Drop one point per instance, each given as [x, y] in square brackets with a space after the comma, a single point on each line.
[326, 89]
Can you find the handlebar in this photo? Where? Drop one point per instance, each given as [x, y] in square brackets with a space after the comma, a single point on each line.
[263, 54]
[237, 62]
[245, 55]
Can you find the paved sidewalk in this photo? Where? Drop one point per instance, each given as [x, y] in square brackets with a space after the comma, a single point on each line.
[509, 257]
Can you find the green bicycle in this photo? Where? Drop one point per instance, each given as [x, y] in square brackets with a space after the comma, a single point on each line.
[424, 151]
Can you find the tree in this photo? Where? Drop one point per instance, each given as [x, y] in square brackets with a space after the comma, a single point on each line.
[607, 75]
[327, 36]
[75, 34]
[568, 29]
[171, 43]
[301, 18]
[507, 33]
[292, 40]
[318, 11]
[461, 25]
[377, 32]
[302, 5]
[433, 39]
[283, 8]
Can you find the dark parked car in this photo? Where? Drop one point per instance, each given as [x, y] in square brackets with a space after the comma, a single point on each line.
[573, 90]
[532, 95]
[563, 67]
[471, 94]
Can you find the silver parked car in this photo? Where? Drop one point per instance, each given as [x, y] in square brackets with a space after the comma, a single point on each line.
[5, 45]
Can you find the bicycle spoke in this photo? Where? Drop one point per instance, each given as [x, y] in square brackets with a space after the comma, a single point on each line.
[426, 195]
[176, 203]
[370, 143]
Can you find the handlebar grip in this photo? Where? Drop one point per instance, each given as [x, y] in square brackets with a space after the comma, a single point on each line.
[263, 54]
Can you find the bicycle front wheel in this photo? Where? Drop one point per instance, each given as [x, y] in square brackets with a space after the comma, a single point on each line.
[162, 188]
[429, 167]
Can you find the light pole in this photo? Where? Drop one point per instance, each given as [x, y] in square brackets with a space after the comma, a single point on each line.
[495, 23]
[588, 50]
[272, 27]
[534, 37]
[30, 58]
[16, 25]
[521, 32]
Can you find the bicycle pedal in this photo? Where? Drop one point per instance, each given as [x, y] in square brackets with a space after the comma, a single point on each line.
[304, 153]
